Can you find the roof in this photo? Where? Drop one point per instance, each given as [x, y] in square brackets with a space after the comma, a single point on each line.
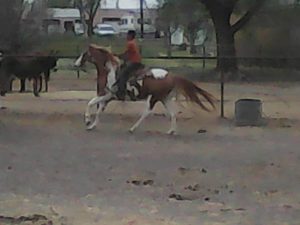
[63, 13]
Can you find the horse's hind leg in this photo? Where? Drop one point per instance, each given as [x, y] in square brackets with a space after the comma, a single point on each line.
[22, 82]
[47, 78]
[169, 105]
[146, 113]
[35, 89]
[41, 83]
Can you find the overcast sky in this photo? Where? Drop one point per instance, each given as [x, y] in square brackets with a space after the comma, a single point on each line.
[128, 3]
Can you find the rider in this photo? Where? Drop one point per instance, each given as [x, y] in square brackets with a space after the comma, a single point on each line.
[132, 59]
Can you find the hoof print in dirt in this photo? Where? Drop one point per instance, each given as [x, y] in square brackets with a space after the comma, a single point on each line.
[216, 192]
[204, 170]
[207, 199]
[183, 170]
[138, 182]
[202, 131]
[148, 182]
[195, 187]
[177, 197]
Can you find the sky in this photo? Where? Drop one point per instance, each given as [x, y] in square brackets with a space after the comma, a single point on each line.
[128, 3]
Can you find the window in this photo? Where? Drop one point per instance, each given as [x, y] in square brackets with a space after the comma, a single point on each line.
[124, 21]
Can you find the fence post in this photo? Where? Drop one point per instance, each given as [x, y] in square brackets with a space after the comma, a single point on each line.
[204, 57]
[222, 94]
[78, 72]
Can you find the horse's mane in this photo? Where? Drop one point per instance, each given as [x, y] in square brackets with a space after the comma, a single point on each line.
[111, 57]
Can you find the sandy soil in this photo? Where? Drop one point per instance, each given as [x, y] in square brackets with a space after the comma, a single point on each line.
[50, 165]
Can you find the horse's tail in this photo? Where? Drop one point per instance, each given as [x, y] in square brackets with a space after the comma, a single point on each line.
[189, 90]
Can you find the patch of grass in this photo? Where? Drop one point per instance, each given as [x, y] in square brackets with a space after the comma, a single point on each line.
[71, 45]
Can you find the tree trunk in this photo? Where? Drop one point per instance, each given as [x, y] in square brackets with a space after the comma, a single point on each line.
[224, 35]
[192, 39]
[90, 27]
[169, 43]
[226, 51]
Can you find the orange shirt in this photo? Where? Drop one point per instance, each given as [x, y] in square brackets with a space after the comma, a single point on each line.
[133, 52]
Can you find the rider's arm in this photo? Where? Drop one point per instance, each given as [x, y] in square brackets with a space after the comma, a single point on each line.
[124, 55]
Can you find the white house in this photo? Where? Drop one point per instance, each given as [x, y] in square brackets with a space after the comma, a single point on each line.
[61, 20]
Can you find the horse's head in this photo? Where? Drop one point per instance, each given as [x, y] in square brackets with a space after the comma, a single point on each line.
[82, 59]
[97, 55]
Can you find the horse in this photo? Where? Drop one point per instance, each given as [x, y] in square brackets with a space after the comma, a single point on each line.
[26, 68]
[157, 85]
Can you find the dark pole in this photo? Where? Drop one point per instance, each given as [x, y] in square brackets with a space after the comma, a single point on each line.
[222, 94]
[142, 17]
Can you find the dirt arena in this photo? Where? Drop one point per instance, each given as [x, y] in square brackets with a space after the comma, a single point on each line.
[51, 166]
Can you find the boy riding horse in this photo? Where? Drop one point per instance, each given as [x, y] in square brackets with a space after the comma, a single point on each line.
[133, 64]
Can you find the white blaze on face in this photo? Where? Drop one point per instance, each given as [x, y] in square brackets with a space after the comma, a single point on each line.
[111, 76]
[158, 73]
[78, 61]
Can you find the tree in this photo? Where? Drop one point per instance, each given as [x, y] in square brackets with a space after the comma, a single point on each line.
[168, 20]
[25, 19]
[192, 21]
[173, 13]
[221, 12]
[88, 8]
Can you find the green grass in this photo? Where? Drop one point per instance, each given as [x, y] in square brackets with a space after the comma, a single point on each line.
[72, 45]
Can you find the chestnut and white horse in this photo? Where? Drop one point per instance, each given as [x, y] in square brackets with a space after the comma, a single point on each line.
[157, 85]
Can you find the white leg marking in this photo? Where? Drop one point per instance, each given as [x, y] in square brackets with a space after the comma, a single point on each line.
[77, 63]
[169, 105]
[144, 115]
[102, 101]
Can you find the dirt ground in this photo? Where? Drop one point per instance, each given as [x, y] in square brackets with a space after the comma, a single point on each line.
[51, 166]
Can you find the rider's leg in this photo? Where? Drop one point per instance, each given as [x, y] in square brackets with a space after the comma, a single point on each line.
[124, 76]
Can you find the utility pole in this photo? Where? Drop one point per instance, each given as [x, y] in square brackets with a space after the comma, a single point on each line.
[142, 17]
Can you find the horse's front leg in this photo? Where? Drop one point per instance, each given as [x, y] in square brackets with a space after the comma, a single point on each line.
[41, 83]
[47, 78]
[35, 88]
[22, 84]
[102, 101]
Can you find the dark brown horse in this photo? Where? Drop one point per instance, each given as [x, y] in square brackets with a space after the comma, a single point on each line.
[157, 85]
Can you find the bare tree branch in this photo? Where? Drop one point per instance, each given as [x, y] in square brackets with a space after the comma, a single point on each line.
[247, 16]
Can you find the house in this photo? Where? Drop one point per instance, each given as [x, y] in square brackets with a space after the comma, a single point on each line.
[124, 19]
[61, 20]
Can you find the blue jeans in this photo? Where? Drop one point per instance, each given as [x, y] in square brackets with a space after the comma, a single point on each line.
[129, 70]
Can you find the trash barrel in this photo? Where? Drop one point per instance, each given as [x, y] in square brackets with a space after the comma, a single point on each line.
[248, 112]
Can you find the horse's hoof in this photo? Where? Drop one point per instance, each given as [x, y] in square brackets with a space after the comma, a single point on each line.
[171, 132]
[131, 131]
[89, 128]
[3, 107]
[88, 123]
